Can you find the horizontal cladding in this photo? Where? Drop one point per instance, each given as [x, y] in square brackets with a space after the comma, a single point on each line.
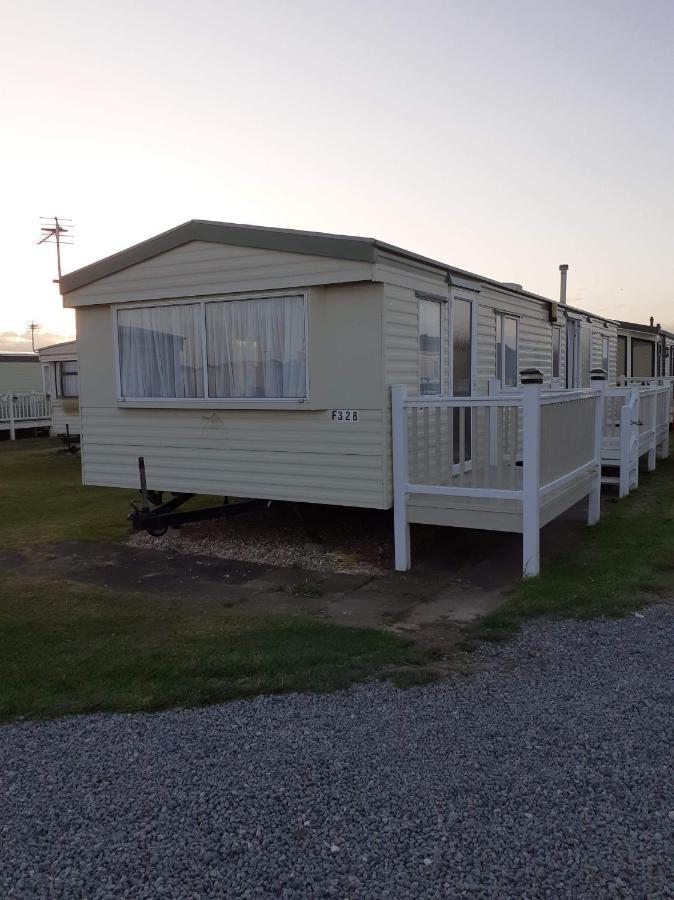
[401, 336]
[202, 268]
[19, 377]
[307, 457]
[535, 334]
[59, 420]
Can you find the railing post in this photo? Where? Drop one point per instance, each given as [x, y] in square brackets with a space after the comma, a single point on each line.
[653, 428]
[598, 380]
[12, 429]
[665, 442]
[635, 436]
[401, 528]
[531, 380]
[626, 415]
[663, 424]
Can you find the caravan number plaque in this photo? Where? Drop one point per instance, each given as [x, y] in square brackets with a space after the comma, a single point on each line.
[345, 415]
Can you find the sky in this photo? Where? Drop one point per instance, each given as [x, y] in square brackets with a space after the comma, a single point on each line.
[503, 137]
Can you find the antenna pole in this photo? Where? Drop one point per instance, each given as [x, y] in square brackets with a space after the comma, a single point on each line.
[57, 231]
[53, 231]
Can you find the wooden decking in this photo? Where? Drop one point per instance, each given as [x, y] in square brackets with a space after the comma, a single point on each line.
[515, 461]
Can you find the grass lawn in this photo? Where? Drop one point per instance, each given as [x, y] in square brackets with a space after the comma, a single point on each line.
[69, 648]
[43, 498]
[616, 567]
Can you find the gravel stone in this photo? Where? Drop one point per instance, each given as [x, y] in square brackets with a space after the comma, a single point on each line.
[545, 773]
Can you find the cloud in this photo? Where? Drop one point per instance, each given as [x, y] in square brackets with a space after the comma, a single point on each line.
[12, 340]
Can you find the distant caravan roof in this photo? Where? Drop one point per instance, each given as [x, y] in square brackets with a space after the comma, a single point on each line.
[18, 356]
[62, 345]
[289, 240]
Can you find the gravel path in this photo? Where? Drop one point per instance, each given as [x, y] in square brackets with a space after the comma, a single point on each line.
[548, 774]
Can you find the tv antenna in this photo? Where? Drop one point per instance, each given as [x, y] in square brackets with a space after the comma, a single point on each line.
[33, 327]
[56, 231]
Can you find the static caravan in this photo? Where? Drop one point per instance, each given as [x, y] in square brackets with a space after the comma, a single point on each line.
[19, 373]
[644, 351]
[259, 362]
[61, 379]
[23, 403]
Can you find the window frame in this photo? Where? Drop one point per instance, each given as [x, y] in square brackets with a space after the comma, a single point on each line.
[440, 303]
[206, 400]
[500, 314]
[58, 379]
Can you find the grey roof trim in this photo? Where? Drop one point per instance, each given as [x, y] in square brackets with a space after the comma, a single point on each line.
[645, 329]
[286, 240]
[313, 243]
[72, 341]
[18, 356]
[427, 295]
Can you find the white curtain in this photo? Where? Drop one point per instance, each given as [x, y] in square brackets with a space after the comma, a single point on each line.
[256, 348]
[69, 378]
[160, 352]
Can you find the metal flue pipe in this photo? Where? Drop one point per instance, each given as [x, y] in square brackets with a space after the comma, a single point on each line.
[563, 269]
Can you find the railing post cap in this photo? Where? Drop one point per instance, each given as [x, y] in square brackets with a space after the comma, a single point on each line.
[531, 376]
[598, 374]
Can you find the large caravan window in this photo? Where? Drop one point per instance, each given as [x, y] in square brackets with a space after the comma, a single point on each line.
[556, 351]
[621, 368]
[67, 379]
[642, 358]
[253, 348]
[160, 351]
[256, 348]
[430, 344]
[506, 350]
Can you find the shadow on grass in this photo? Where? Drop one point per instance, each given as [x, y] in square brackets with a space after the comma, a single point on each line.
[72, 648]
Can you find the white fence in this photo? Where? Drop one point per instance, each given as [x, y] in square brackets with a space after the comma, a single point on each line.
[24, 411]
[636, 423]
[524, 457]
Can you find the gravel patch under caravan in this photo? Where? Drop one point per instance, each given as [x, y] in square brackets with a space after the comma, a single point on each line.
[545, 774]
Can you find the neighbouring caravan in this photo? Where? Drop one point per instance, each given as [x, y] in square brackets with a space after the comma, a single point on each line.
[19, 373]
[24, 406]
[644, 351]
[61, 381]
[258, 362]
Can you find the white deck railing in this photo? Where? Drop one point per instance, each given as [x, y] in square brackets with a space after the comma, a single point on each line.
[636, 423]
[24, 411]
[528, 449]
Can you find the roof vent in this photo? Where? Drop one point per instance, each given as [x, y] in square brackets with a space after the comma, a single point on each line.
[513, 285]
[563, 271]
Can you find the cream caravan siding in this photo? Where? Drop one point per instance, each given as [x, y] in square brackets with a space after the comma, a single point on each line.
[202, 268]
[65, 411]
[401, 339]
[278, 454]
[534, 333]
[599, 332]
[20, 377]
